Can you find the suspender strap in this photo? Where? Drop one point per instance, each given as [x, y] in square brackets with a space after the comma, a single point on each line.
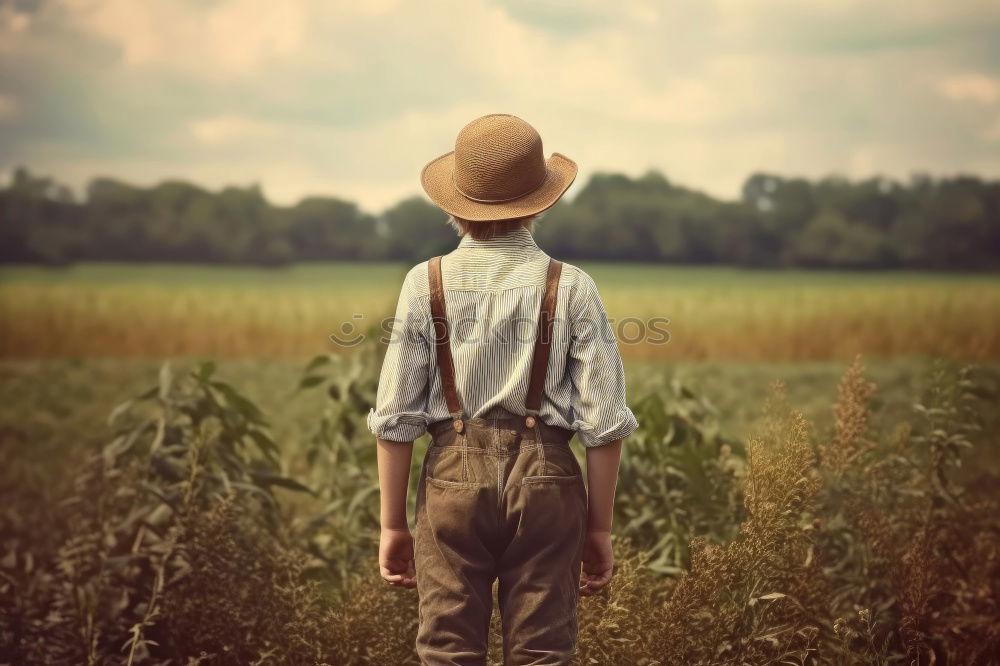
[540, 359]
[442, 342]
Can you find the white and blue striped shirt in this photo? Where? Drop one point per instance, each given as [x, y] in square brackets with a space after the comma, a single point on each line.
[493, 290]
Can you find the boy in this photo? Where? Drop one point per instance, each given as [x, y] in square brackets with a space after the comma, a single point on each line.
[502, 354]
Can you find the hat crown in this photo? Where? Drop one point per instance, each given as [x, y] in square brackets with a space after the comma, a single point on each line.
[498, 158]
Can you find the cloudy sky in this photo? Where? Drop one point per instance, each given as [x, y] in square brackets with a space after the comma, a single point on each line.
[351, 98]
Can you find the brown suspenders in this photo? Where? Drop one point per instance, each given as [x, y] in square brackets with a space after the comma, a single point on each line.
[543, 341]
[539, 360]
[442, 341]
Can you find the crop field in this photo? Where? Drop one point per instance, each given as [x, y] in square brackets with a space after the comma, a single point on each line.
[714, 313]
[186, 476]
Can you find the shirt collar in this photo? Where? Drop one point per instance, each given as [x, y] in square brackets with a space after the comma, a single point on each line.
[519, 237]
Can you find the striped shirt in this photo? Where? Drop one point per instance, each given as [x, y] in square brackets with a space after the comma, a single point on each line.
[493, 290]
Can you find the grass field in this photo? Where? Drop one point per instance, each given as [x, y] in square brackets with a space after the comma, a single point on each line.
[859, 529]
[109, 310]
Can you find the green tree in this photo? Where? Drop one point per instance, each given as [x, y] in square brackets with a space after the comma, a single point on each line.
[414, 230]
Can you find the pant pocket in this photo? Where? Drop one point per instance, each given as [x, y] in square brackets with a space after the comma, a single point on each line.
[560, 467]
[449, 466]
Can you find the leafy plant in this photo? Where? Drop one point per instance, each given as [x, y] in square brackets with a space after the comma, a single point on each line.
[180, 448]
[341, 458]
[678, 479]
[874, 545]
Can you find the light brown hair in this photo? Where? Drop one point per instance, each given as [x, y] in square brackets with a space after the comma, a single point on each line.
[494, 229]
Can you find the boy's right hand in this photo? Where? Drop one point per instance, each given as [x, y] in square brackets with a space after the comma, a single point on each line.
[598, 562]
[395, 557]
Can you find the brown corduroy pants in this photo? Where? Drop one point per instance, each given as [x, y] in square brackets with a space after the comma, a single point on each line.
[493, 504]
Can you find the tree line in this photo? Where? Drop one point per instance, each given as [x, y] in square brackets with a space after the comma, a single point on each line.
[930, 223]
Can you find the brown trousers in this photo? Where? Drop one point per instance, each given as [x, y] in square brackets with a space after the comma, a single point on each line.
[494, 502]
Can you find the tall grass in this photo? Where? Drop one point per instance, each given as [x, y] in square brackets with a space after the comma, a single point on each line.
[188, 540]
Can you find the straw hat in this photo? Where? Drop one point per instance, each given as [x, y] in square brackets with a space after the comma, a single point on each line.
[497, 172]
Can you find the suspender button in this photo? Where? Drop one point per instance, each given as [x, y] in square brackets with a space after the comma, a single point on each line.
[530, 421]
[459, 426]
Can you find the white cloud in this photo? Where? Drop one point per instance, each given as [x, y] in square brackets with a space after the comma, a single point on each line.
[352, 98]
[971, 87]
[230, 36]
[228, 128]
[13, 21]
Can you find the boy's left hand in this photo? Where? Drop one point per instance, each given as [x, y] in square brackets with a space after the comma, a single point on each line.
[598, 562]
[395, 557]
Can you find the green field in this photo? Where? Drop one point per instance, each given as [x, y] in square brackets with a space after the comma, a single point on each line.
[385, 275]
[843, 524]
[112, 310]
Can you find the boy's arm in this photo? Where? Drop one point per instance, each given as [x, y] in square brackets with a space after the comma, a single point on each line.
[395, 556]
[394, 480]
[602, 478]
[398, 417]
[602, 420]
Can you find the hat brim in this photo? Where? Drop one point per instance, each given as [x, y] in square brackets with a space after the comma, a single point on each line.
[437, 180]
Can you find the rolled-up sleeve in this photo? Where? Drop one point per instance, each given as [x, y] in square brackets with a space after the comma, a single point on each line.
[400, 412]
[600, 412]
